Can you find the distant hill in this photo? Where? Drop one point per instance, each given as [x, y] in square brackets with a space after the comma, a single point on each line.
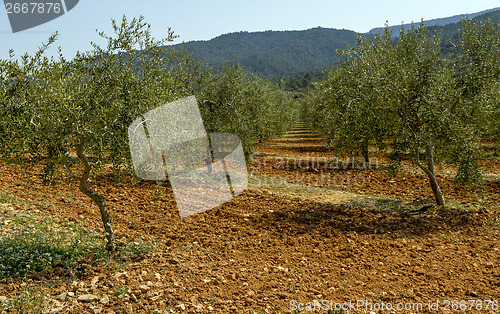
[434, 22]
[274, 54]
[278, 54]
[450, 31]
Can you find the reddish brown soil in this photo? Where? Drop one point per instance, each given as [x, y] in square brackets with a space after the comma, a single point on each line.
[263, 250]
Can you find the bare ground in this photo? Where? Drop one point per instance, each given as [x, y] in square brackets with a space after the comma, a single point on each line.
[296, 236]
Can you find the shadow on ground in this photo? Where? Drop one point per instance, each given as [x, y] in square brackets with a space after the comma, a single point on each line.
[378, 216]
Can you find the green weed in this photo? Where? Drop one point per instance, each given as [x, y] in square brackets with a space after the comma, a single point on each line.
[35, 244]
[30, 300]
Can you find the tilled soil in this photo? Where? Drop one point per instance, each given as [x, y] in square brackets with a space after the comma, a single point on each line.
[268, 251]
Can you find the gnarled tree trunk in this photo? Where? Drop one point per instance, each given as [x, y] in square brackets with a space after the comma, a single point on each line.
[98, 199]
[431, 174]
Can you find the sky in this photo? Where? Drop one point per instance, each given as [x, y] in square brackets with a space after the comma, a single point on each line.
[203, 20]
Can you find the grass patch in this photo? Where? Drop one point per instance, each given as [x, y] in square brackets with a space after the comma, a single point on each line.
[34, 244]
[127, 250]
[30, 244]
[7, 198]
[30, 300]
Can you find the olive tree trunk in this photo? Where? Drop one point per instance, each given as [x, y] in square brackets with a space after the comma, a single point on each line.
[431, 174]
[98, 199]
[365, 153]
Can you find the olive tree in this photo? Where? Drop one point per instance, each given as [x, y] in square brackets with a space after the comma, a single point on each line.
[346, 105]
[234, 101]
[53, 109]
[403, 94]
[477, 74]
[89, 102]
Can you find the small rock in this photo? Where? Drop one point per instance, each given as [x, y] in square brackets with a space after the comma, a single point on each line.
[104, 300]
[133, 297]
[3, 299]
[121, 276]
[315, 291]
[144, 288]
[155, 298]
[71, 293]
[57, 309]
[194, 299]
[94, 281]
[199, 307]
[62, 297]
[88, 298]
[210, 308]
[157, 276]
[182, 306]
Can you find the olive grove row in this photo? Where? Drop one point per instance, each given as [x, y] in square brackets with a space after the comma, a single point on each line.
[100, 92]
[401, 96]
[52, 108]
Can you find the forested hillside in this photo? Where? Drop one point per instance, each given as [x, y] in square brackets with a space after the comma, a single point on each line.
[274, 54]
[434, 22]
[278, 54]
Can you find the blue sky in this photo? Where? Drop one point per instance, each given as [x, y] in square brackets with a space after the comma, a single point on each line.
[203, 20]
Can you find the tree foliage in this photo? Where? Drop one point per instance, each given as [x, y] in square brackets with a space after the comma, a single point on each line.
[404, 96]
[233, 101]
[52, 108]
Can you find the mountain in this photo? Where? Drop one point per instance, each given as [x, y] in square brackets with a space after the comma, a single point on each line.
[278, 54]
[434, 22]
[274, 54]
[450, 32]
